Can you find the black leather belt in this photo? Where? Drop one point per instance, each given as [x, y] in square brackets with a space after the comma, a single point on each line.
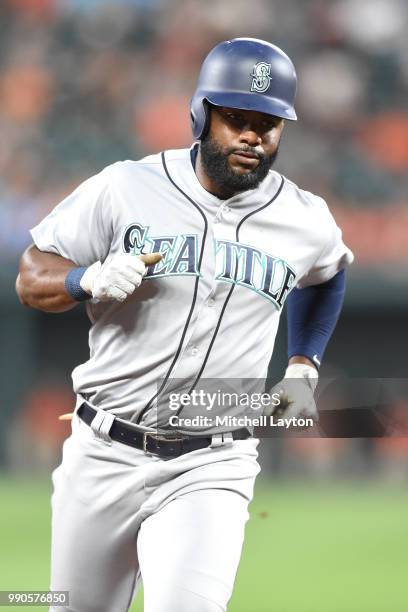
[153, 443]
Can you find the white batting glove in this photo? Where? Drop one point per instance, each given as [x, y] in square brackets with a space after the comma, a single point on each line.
[118, 277]
[296, 393]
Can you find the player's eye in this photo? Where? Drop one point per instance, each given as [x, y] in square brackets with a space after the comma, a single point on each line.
[233, 116]
[269, 125]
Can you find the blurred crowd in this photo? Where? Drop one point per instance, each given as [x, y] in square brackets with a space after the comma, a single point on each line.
[84, 83]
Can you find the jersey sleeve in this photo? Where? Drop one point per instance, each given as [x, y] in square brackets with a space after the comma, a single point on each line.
[334, 256]
[80, 228]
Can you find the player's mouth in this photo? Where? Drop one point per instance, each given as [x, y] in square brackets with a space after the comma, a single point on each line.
[245, 158]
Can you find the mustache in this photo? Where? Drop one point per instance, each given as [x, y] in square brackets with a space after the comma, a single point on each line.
[252, 150]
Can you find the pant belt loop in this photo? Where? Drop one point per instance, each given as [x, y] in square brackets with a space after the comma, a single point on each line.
[225, 439]
[101, 425]
[216, 441]
[228, 439]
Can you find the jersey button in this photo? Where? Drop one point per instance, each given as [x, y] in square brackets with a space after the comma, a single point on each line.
[211, 302]
[226, 209]
[194, 351]
[216, 220]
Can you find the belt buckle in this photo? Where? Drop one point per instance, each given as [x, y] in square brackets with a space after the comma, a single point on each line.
[158, 437]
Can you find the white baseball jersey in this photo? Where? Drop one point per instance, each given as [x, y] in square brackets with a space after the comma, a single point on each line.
[211, 307]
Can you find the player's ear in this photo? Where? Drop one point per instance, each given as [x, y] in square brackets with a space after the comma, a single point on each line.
[280, 126]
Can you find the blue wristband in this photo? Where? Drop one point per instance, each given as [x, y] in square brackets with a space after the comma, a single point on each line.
[73, 287]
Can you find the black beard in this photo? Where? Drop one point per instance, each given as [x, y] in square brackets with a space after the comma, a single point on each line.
[215, 163]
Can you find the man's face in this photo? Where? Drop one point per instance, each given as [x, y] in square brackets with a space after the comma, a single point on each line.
[239, 148]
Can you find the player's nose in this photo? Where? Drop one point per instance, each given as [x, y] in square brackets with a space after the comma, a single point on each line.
[250, 136]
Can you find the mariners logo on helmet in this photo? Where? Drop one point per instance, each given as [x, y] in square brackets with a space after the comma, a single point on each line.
[261, 77]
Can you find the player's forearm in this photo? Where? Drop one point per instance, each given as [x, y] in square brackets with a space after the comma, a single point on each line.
[312, 316]
[41, 281]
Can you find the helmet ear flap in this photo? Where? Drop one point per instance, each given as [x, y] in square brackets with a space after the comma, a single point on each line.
[200, 117]
[207, 112]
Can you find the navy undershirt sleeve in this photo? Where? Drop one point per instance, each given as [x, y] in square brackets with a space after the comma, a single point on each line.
[312, 316]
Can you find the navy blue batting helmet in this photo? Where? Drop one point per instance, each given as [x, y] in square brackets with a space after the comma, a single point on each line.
[248, 74]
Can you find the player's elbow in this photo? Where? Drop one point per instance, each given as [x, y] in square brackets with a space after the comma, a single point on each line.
[27, 279]
[27, 286]
[20, 291]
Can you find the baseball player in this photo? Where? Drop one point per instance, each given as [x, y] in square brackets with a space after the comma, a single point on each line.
[185, 260]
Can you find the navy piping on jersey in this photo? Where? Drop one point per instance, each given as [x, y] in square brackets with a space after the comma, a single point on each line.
[177, 354]
[234, 285]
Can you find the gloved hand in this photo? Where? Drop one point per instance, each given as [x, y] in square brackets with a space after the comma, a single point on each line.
[118, 277]
[296, 393]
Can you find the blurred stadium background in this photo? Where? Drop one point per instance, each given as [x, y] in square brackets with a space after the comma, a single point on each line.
[84, 83]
